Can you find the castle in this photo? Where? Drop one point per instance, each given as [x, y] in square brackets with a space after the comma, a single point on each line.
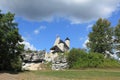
[59, 46]
[33, 60]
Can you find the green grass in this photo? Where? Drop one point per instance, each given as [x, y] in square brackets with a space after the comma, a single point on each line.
[81, 74]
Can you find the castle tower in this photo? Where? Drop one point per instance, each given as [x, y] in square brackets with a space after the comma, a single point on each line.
[67, 41]
[57, 40]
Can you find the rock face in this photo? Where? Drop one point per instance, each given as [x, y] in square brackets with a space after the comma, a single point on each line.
[59, 63]
[33, 57]
[32, 61]
[59, 66]
[31, 66]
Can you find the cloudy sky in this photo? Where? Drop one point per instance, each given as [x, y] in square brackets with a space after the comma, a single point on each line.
[40, 21]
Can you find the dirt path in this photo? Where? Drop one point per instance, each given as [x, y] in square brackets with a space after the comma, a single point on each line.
[7, 76]
[24, 76]
[20, 76]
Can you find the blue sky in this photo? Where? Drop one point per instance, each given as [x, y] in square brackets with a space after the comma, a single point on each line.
[40, 21]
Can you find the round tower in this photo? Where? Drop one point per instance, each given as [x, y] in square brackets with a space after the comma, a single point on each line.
[67, 41]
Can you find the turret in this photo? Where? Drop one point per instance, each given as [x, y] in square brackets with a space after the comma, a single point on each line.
[67, 41]
[57, 40]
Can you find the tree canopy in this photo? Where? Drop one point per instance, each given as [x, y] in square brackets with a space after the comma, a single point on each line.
[100, 39]
[117, 38]
[10, 47]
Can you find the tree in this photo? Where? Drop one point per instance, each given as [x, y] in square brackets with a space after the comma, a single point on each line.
[117, 38]
[100, 39]
[10, 47]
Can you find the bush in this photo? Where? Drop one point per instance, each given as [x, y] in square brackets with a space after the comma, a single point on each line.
[78, 58]
[95, 60]
[73, 57]
[110, 63]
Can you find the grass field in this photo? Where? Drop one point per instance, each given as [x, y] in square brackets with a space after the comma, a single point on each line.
[89, 74]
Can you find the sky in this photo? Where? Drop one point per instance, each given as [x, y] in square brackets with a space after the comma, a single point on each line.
[41, 21]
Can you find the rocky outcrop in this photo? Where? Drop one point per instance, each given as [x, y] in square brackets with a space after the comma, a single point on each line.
[59, 66]
[31, 66]
[59, 63]
[33, 57]
[33, 60]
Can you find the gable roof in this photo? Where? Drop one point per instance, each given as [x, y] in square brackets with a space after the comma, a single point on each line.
[56, 49]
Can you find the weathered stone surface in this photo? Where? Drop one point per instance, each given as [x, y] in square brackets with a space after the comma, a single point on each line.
[59, 66]
[31, 66]
[32, 61]
[59, 63]
[33, 57]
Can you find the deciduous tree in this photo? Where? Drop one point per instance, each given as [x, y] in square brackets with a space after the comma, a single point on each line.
[117, 38]
[100, 39]
[10, 47]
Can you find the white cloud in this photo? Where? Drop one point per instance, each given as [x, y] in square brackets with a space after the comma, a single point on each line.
[37, 31]
[77, 11]
[28, 45]
[89, 26]
[84, 44]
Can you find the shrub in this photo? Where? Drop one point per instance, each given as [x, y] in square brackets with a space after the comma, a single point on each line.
[78, 58]
[73, 57]
[110, 63]
[95, 60]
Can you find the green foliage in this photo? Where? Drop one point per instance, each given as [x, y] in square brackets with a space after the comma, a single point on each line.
[95, 60]
[117, 31]
[110, 63]
[100, 39]
[78, 58]
[73, 56]
[117, 36]
[10, 47]
[47, 65]
[16, 64]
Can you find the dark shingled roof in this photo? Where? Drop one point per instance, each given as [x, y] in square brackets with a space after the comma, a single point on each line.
[67, 38]
[61, 41]
[56, 49]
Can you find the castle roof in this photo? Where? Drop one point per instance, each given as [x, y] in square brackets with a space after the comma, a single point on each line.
[61, 41]
[67, 38]
[56, 49]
